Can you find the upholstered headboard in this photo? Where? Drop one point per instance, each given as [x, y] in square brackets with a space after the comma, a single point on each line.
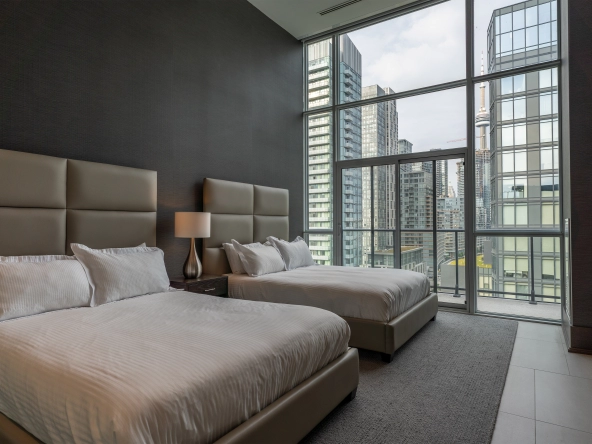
[245, 212]
[47, 203]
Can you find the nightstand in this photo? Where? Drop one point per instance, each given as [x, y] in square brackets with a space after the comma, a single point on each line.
[205, 284]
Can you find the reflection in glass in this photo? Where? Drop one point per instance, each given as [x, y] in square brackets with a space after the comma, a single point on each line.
[520, 117]
[515, 34]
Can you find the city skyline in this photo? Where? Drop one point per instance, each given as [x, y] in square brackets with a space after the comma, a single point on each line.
[501, 154]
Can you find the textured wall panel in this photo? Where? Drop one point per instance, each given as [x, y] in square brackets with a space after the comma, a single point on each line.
[188, 89]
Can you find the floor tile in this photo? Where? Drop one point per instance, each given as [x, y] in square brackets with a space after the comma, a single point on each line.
[554, 434]
[512, 429]
[563, 400]
[542, 332]
[518, 397]
[540, 355]
[579, 365]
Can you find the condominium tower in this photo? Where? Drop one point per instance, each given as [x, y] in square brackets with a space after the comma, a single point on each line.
[524, 149]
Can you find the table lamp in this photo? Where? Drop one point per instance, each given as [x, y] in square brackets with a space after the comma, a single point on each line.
[192, 225]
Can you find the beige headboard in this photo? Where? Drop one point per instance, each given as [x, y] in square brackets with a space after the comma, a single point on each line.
[245, 212]
[47, 203]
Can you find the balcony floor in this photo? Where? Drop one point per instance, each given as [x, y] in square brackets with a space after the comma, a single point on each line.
[511, 307]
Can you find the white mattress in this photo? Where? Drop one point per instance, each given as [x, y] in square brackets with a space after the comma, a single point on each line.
[164, 368]
[376, 294]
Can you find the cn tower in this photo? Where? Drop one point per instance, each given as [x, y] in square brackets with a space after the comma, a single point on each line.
[482, 118]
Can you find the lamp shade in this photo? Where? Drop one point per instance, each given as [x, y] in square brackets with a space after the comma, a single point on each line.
[192, 225]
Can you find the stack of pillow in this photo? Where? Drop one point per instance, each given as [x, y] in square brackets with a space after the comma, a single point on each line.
[274, 255]
[36, 284]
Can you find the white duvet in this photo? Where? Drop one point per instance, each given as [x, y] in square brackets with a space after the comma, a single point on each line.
[376, 294]
[163, 368]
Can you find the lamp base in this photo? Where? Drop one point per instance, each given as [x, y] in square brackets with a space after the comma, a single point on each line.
[192, 267]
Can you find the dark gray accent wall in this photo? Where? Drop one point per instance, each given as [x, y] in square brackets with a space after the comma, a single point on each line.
[191, 89]
[576, 79]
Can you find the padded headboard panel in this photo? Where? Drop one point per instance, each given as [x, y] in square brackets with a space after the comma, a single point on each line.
[245, 212]
[46, 203]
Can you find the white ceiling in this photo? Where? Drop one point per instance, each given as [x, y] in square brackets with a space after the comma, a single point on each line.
[301, 17]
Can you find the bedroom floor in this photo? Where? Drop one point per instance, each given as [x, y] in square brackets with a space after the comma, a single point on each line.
[548, 393]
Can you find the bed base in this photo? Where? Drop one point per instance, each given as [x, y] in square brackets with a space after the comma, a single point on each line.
[287, 420]
[387, 337]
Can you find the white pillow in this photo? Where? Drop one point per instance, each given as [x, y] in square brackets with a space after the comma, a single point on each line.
[35, 284]
[236, 264]
[258, 261]
[295, 254]
[120, 273]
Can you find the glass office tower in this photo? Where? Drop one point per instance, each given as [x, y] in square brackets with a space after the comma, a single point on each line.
[524, 158]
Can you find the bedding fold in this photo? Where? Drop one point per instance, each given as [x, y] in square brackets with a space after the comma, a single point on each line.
[162, 368]
[377, 294]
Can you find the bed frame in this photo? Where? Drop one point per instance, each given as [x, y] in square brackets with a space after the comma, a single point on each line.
[47, 203]
[251, 213]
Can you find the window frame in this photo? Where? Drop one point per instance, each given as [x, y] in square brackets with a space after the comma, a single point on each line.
[470, 82]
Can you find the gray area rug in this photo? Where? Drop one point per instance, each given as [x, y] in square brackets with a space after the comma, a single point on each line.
[444, 386]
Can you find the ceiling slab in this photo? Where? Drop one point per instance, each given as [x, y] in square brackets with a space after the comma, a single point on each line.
[301, 18]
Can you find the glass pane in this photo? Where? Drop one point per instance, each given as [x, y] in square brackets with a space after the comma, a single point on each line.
[357, 250]
[356, 198]
[450, 194]
[519, 276]
[399, 55]
[399, 126]
[321, 247]
[319, 74]
[417, 253]
[320, 171]
[417, 195]
[384, 253]
[385, 199]
[517, 176]
[451, 267]
[510, 34]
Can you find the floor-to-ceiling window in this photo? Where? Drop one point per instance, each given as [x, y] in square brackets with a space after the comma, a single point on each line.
[432, 144]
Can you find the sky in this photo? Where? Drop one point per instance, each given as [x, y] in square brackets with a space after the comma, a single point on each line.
[420, 49]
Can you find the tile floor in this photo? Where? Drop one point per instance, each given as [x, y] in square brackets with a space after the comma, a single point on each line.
[548, 393]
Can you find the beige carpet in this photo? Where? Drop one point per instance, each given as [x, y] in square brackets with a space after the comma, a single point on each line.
[444, 386]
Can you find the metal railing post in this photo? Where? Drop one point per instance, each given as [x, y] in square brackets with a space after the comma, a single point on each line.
[532, 292]
[456, 293]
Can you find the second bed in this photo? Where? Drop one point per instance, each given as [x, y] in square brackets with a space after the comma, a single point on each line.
[383, 307]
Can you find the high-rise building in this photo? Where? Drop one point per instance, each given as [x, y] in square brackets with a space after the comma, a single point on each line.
[320, 155]
[379, 138]
[441, 176]
[524, 173]
[417, 211]
[405, 147]
[482, 166]
[460, 181]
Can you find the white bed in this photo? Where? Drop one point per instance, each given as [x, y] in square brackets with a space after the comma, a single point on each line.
[169, 367]
[383, 307]
[375, 294]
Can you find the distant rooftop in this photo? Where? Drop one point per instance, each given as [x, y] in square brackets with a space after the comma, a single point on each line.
[480, 263]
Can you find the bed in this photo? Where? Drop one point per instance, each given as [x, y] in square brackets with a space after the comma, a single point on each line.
[166, 367]
[383, 307]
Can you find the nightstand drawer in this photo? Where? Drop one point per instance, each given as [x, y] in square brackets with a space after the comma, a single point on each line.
[214, 287]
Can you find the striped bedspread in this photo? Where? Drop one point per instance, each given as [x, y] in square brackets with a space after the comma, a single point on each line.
[163, 368]
[377, 294]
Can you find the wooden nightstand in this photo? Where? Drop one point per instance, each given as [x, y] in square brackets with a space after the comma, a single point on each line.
[205, 284]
